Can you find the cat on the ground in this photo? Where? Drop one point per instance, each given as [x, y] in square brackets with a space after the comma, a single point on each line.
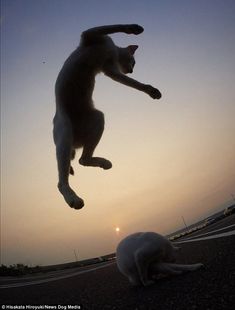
[143, 256]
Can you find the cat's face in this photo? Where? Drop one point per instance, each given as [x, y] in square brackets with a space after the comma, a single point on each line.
[126, 59]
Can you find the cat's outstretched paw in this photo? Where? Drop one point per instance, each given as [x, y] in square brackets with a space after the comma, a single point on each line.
[153, 92]
[134, 29]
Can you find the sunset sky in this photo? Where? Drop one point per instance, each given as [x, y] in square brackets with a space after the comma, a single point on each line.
[172, 157]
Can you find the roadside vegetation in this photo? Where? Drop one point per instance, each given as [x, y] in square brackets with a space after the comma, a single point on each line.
[18, 270]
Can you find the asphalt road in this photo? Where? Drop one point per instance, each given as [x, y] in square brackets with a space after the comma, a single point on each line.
[210, 288]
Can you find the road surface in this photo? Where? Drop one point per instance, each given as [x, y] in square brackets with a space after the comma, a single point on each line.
[103, 287]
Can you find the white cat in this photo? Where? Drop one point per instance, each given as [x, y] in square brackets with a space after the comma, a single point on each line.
[142, 256]
[77, 123]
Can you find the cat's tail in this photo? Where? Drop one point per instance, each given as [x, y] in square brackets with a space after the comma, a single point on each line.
[71, 171]
[73, 153]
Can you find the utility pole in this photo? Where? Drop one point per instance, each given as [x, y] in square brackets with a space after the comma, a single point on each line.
[185, 223]
[75, 254]
[233, 197]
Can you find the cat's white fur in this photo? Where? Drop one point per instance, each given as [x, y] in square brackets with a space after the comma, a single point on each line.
[142, 256]
[77, 123]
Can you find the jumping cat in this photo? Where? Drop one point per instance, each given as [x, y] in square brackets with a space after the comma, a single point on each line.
[77, 124]
[142, 256]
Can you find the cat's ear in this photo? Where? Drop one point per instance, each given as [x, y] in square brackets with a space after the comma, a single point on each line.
[132, 49]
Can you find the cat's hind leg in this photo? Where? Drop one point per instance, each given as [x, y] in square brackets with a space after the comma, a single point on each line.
[63, 139]
[94, 127]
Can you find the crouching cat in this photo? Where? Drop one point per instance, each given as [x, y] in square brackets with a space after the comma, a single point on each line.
[142, 256]
[77, 124]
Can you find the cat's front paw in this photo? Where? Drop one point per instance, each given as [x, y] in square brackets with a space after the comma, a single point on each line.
[134, 29]
[153, 92]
